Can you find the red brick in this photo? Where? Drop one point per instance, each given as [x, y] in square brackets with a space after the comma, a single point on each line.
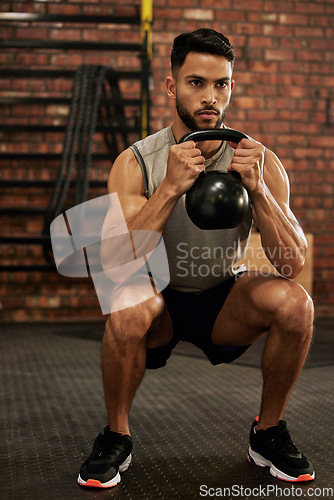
[229, 15]
[277, 30]
[309, 55]
[320, 21]
[309, 153]
[265, 91]
[276, 80]
[264, 66]
[306, 128]
[293, 44]
[63, 9]
[249, 103]
[293, 19]
[292, 91]
[27, 7]
[64, 34]
[310, 7]
[322, 45]
[166, 13]
[31, 33]
[260, 41]
[308, 32]
[279, 6]
[278, 55]
[294, 67]
[248, 6]
[262, 115]
[277, 127]
[247, 29]
[186, 3]
[282, 103]
[199, 14]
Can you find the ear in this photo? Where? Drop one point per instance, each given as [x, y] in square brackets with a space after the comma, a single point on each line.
[232, 85]
[171, 87]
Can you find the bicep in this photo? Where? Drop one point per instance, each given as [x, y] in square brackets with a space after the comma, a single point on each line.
[277, 181]
[126, 180]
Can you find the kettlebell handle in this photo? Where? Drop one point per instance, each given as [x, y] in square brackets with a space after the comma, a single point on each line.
[216, 200]
[216, 134]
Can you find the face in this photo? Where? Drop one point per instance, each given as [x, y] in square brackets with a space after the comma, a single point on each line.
[202, 90]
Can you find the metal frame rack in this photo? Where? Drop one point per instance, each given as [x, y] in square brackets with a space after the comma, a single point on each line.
[114, 121]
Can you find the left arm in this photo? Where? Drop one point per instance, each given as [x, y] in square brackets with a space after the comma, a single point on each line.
[267, 182]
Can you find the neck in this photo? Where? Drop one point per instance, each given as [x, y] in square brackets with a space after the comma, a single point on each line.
[207, 148]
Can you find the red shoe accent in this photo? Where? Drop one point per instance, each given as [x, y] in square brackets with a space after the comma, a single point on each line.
[94, 483]
[303, 477]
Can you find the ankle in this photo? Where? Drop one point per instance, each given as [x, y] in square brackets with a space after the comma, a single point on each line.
[124, 431]
[265, 425]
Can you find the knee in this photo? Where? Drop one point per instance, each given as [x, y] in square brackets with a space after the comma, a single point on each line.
[133, 313]
[295, 310]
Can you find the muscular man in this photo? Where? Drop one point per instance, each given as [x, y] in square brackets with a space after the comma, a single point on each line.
[222, 312]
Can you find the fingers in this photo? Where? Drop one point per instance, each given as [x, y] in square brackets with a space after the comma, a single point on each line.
[189, 150]
[194, 153]
[190, 147]
[185, 163]
[233, 145]
[243, 144]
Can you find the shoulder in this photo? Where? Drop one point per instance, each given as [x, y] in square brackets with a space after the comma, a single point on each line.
[156, 142]
[125, 172]
[273, 167]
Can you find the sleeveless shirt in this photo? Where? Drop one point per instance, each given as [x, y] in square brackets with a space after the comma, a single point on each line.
[198, 259]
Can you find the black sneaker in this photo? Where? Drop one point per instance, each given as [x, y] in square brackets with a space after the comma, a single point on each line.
[274, 448]
[111, 455]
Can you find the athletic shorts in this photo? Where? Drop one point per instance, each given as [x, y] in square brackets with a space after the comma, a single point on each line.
[193, 317]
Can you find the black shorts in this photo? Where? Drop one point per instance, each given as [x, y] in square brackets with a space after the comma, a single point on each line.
[193, 317]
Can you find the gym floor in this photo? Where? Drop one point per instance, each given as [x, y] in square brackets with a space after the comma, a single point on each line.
[190, 421]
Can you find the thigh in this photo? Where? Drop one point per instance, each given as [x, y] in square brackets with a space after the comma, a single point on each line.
[249, 308]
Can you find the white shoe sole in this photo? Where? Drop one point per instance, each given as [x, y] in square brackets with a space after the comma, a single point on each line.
[94, 483]
[263, 462]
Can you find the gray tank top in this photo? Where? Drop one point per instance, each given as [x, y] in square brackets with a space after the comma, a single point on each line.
[198, 259]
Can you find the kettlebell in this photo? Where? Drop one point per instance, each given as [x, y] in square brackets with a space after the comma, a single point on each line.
[216, 200]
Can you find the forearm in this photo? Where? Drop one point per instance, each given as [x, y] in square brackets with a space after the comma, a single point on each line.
[282, 238]
[137, 236]
[144, 220]
[155, 213]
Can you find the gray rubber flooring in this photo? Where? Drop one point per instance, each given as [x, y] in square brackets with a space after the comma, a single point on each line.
[190, 421]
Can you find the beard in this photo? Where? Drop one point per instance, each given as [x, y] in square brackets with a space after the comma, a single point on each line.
[190, 120]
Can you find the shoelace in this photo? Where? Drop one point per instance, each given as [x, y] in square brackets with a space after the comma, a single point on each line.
[98, 446]
[103, 443]
[281, 439]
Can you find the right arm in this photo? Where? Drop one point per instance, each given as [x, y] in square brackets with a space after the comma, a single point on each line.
[183, 167]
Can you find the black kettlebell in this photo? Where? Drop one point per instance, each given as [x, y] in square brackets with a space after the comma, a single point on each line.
[217, 200]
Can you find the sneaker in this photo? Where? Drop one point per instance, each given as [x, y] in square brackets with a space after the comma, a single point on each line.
[274, 448]
[111, 455]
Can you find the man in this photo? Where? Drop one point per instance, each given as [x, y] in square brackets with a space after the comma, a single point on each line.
[223, 312]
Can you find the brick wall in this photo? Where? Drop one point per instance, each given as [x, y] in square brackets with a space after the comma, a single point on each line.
[284, 90]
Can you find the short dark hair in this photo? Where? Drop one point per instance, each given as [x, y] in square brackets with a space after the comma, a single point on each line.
[203, 40]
